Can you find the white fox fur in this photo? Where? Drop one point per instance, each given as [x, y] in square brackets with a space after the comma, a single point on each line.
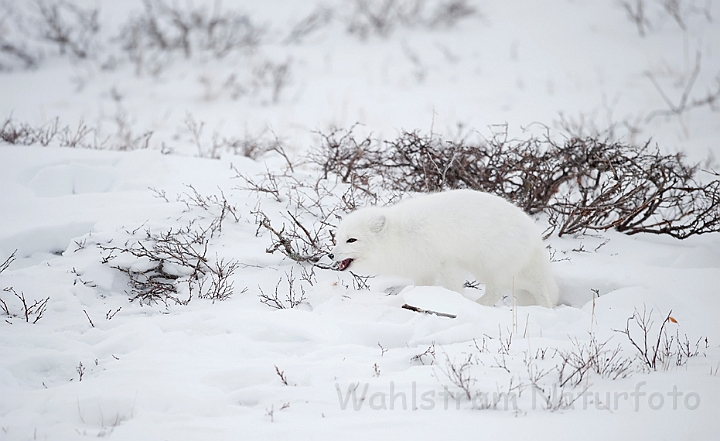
[439, 238]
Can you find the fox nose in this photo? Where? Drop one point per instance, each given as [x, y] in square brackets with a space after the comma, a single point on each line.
[331, 256]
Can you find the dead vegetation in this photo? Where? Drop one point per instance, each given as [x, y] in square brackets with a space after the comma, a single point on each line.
[656, 347]
[30, 311]
[293, 297]
[582, 184]
[54, 134]
[382, 17]
[592, 357]
[544, 373]
[688, 100]
[174, 265]
[33, 29]
[151, 37]
[304, 229]
[558, 377]
[72, 28]
[645, 14]
[6, 264]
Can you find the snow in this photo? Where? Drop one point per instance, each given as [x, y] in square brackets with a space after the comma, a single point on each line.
[97, 365]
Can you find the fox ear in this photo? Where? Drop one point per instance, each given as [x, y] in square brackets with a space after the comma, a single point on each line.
[378, 224]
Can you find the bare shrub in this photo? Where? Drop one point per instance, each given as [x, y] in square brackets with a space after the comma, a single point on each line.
[585, 358]
[656, 348]
[317, 19]
[374, 18]
[33, 28]
[635, 190]
[635, 10]
[72, 28]
[15, 49]
[28, 310]
[304, 230]
[283, 377]
[459, 374]
[162, 29]
[359, 282]
[14, 132]
[299, 242]
[582, 184]
[272, 76]
[680, 11]
[508, 396]
[346, 157]
[166, 259]
[555, 397]
[557, 378]
[6, 264]
[110, 314]
[429, 353]
[80, 369]
[162, 262]
[448, 13]
[125, 137]
[685, 103]
[292, 299]
[218, 207]
[521, 171]
[381, 17]
[78, 136]
[674, 10]
[252, 146]
[557, 388]
[221, 288]
[281, 241]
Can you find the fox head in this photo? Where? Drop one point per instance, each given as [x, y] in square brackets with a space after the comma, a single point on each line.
[358, 237]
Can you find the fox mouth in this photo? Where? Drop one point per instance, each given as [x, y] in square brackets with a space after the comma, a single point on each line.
[344, 264]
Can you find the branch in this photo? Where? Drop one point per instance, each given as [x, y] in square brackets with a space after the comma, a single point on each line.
[427, 311]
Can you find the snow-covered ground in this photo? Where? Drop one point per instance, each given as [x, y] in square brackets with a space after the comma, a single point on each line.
[345, 362]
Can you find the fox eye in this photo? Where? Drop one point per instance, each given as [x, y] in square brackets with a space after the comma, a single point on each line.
[351, 240]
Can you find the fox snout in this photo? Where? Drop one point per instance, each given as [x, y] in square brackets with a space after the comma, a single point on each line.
[341, 265]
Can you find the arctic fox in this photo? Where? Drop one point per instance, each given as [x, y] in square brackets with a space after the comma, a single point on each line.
[440, 237]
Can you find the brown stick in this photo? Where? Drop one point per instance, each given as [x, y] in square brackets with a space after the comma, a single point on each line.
[427, 311]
